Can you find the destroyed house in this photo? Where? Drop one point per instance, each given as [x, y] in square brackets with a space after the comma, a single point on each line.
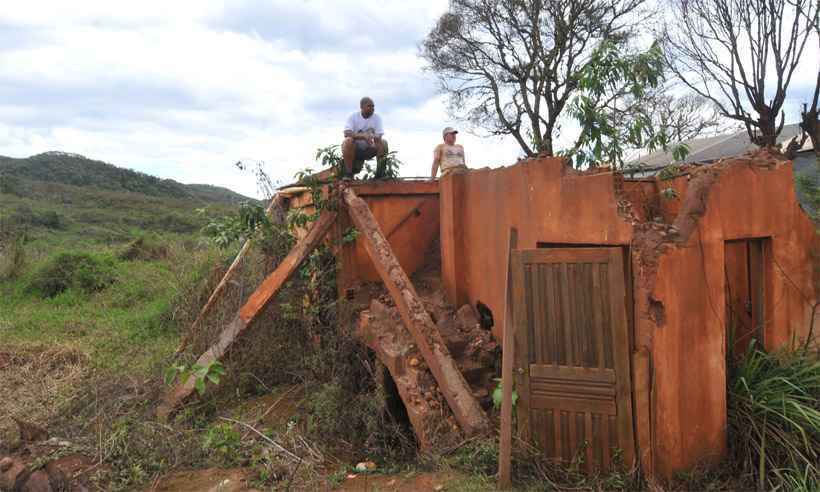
[625, 297]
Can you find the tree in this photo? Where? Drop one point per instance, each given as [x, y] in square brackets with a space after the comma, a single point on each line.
[810, 120]
[741, 55]
[683, 117]
[512, 67]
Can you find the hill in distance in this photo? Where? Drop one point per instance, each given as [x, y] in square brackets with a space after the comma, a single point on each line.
[67, 200]
[77, 170]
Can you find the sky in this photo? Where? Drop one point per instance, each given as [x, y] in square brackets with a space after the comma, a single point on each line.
[185, 89]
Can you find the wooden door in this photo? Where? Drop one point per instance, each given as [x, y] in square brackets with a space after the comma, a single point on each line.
[572, 354]
[745, 312]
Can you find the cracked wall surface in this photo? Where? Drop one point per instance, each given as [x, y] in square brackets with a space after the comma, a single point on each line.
[676, 242]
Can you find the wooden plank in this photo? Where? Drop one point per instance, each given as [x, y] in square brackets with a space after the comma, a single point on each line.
[564, 255]
[465, 407]
[572, 406]
[521, 322]
[558, 434]
[756, 290]
[539, 314]
[584, 325]
[566, 315]
[641, 369]
[604, 441]
[569, 388]
[274, 282]
[553, 316]
[507, 348]
[277, 202]
[626, 436]
[580, 374]
[597, 317]
[529, 295]
[603, 270]
[552, 402]
[589, 441]
[259, 299]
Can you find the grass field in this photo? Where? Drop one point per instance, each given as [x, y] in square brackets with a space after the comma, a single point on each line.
[97, 284]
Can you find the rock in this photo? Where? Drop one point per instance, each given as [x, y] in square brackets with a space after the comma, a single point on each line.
[467, 317]
[37, 482]
[365, 466]
[438, 488]
[6, 463]
[414, 362]
[8, 478]
[30, 432]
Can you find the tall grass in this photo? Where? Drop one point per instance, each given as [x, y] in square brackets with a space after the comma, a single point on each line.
[774, 418]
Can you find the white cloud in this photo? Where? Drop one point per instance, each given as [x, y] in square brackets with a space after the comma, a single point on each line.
[184, 89]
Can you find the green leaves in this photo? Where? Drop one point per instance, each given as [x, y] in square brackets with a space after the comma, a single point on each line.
[610, 85]
[211, 372]
[498, 395]
[249, 221]
[774, 416]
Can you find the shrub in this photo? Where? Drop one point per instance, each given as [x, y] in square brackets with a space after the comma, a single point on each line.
[12, 256]
[83, 271]
[24, 215]
[774, 417]
[144, 248]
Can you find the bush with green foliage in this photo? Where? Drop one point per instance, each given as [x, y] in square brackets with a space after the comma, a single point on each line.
[84, 271]
[774, 418]
[331, 156]
[251, 220]
[25, 216]
[12, 255]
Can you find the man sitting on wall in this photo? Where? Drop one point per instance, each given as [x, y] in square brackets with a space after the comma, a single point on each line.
[363, 141]
[448, 156]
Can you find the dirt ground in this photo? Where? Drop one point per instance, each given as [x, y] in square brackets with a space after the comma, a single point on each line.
[237, 480]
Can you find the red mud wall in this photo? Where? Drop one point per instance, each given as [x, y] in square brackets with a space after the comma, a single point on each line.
[678, 273]
[542, 199]
[408, 215]
[746, 201]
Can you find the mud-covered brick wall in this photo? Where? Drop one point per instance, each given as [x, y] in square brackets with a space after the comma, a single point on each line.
[677, 265]
[408, 215]
[546, 201]
[680, 296]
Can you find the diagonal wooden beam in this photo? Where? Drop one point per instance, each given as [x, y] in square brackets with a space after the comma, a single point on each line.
[465, 408]
[277, 202]
[260, 298]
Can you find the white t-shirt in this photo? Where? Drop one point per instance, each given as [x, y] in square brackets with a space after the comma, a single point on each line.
[357, 123]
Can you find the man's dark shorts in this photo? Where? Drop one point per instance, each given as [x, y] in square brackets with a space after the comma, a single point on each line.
[363, 153]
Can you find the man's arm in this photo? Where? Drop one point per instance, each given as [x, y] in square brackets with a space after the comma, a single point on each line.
[436, 159]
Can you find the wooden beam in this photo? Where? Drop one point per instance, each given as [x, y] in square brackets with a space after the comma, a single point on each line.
[260, 298]
[277, 202]
[642, 377]
[271, 285]
[507, 358]
[466, 409]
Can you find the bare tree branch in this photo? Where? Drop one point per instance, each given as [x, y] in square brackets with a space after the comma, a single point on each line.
[741, 55]
[511, 66]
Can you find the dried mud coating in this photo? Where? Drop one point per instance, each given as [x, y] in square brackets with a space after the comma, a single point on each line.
[432, 347]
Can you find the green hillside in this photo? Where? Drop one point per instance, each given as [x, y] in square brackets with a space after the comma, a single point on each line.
[85, 243]
[76, 170]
